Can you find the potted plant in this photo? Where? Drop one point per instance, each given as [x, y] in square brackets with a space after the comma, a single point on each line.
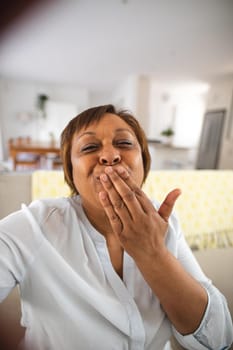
[41, 102]
[167, 135]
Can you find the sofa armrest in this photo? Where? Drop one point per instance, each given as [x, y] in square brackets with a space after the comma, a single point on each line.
[15, 189]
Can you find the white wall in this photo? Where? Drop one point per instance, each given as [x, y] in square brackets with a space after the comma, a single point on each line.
[133, 95]
[180, 107]
[58, 114]
[18, 99]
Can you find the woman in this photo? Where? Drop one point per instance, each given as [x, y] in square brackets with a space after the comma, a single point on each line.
[106, 268]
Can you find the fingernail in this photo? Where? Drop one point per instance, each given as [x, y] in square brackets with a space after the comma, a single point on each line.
[123, 172]
[103, 177]
[120, 170]
[109, 170]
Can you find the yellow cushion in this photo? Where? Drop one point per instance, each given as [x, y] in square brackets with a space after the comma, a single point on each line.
[205, 206]
[49, 184]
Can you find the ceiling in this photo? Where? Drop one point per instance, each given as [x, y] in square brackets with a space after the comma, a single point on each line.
[96, 44]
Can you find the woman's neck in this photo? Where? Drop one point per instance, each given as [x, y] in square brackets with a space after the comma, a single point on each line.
[98, 219]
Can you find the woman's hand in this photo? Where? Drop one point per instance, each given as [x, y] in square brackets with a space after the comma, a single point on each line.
[140, 228]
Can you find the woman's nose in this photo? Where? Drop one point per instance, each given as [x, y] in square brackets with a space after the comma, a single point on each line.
[110, 157]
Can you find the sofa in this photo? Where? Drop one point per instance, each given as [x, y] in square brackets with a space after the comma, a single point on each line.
[205, 211]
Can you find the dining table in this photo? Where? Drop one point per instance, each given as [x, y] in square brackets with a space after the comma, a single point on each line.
[28, 147]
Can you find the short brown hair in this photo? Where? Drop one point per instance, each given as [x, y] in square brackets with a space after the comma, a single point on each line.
[86, 118]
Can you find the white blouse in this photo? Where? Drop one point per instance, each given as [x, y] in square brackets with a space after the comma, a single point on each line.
[71, 296]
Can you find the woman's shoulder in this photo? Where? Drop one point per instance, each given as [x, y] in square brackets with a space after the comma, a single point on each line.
[42, 217]
[42, 209]
[58, 203]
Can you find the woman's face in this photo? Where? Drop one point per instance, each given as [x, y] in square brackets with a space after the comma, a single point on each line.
[108, 142]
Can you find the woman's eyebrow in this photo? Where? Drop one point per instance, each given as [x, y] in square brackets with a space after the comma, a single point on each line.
[92, 133]
[124, 129]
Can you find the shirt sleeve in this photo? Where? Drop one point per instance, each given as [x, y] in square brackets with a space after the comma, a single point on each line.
[7, 279]
[18, 246]
[215, 330]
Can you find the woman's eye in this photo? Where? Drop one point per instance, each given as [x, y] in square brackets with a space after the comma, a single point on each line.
[89, 148]
[124, 143]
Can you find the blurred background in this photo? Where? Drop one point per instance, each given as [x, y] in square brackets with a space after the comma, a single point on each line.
[170, 62]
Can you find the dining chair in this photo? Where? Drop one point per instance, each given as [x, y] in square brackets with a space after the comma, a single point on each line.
[24, 161]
